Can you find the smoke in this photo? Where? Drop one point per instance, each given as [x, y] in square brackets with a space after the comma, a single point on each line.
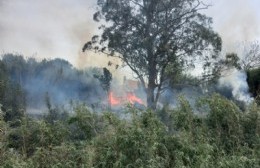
[235, 81]
[56, 79]
[170, 96]
[233, 85]
[51, 29]
[47, 28]
[59, 28]
[236, 21]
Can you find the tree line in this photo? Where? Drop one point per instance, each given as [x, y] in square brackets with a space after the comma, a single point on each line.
[27, 83]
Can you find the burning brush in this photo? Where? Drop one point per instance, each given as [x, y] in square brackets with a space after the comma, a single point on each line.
[129, 97]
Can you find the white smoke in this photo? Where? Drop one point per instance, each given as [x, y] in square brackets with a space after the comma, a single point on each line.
[46, 28]
[236, 81]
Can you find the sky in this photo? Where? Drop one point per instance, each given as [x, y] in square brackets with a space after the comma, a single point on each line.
[59, 28]
[237, 21]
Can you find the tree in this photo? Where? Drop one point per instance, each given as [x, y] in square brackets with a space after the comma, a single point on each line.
[251, 56]
[248, 59]
[151, 35]
[105, 81]
[12, 95]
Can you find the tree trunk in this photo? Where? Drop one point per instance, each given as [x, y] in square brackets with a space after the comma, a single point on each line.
[151, 103]
[152, 75]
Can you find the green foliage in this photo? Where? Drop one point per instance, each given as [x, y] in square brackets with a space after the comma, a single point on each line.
[62, 156]
[33, 134]
[183, 116]
[12, 96]
[29, 79]
[84, 124]
[153, 37]
[216, 134]
[3, 130]
[54, 114]
[251, 127]
[224, 122]
[134, 143]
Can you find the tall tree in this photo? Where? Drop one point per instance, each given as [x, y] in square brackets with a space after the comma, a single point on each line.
[151, 35]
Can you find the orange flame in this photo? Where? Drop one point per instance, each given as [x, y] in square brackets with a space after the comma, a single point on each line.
[113, 100]
[130, 98]
[133, 99]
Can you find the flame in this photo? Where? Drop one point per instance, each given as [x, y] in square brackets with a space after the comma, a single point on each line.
[130, 98]
[133, 99]
[113, 100]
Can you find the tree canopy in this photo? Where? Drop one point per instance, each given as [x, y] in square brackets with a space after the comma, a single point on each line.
[150, 35]
[251, 56]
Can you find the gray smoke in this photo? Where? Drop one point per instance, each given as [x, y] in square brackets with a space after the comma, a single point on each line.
[235, 82]
[46, 28]
[60, 28]
[170, 97]
[56, 79]
[236, 21]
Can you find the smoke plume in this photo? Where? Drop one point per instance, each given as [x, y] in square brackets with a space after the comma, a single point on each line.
[235, 81]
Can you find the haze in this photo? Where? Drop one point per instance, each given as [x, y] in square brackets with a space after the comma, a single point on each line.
[59, 28]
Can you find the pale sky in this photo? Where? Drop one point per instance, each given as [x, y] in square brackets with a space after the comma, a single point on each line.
[59, 28]
[236, 21]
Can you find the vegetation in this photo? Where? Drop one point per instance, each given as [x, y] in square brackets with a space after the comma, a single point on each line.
[12, 96]
[251, 56]
[30, 81]
[158, 40]
[154, 36]
[216, 134]
[105, 81]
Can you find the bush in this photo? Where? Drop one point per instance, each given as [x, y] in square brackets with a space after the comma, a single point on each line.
[219, 134]
[131, 143]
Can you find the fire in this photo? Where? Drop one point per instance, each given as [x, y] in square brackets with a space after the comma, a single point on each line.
[113, 100]
[133, 99]
[129, 98]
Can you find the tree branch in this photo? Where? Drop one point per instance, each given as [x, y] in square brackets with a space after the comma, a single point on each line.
[137, 3]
